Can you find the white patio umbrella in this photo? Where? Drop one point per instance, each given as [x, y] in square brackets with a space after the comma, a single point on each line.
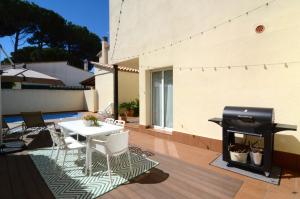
[30, 76]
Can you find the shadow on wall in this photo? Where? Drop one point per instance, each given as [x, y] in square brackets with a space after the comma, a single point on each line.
[284, 159]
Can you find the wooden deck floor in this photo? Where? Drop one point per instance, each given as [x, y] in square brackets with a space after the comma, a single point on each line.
[183, 172]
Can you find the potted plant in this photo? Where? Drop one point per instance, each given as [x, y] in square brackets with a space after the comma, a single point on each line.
[125, 107]
[239, 152]
[90, 120]
[135, 106]
[130, 109]
[256, 154]
[125, 110]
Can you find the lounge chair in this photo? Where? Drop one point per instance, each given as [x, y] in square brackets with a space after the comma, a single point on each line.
[34, 121]
[6, 130]
[10, 144]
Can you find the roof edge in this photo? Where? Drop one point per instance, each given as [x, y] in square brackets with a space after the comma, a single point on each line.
[110, 67]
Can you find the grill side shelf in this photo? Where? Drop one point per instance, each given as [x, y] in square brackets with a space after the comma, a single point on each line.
[216, 120]
[284, 127]
[244, 132]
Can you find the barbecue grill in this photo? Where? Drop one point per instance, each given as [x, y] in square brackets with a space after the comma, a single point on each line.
[250, 121]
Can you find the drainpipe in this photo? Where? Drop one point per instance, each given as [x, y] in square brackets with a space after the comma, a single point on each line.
[116, 92]
[105, 48]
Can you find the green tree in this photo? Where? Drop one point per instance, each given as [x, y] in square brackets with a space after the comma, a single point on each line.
[51, 37]
[80, 42]
[35, 54]
[17, 18]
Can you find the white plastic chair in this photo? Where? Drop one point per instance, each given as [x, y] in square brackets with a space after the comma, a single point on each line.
[65, 143]
[109, 120]
[114, 146]
[119, 123]
[69, 133]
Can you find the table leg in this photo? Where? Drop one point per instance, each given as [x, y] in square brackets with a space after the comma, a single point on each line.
[87, 160]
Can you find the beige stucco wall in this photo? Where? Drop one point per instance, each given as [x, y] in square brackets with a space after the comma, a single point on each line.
[104, 86]
[16, 101]
[128, 87]
[199, 95]
[90, 100]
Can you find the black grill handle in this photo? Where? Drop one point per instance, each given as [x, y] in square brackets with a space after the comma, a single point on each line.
[246, 118]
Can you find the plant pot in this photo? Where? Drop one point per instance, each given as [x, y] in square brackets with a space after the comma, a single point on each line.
[256, 158]
[88, 122]
[239, 157]
[123, 117]
[130, 113]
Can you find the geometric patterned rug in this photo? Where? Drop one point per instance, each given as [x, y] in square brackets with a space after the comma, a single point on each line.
[72, 183]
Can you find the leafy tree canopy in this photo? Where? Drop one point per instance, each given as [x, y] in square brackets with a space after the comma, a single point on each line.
[50, 36]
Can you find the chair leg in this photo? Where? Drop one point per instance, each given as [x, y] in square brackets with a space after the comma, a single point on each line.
[108, 168]
[53, 145]
[90, 162]
[129, 160]
[79, 154]
[57, 154]
[63, 164]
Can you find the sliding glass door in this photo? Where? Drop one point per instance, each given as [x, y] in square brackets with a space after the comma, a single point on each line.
[162, 99]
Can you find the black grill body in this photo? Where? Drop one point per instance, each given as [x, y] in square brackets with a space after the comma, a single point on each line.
[250, 121]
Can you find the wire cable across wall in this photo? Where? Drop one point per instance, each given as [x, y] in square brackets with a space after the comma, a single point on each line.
[189, 37]
[229, 67]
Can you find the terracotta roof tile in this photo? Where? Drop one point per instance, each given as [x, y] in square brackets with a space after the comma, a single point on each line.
[121, 68]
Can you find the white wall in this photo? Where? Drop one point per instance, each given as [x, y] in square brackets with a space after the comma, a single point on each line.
[71, 76]
[16, 101]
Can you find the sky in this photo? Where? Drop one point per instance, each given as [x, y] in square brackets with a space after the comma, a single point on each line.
[94, 14]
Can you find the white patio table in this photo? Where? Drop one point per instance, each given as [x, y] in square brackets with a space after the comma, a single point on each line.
[89, 132]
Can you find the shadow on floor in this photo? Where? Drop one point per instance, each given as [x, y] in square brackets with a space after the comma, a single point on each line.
[40, 140]
[154, 176]
[140, 151]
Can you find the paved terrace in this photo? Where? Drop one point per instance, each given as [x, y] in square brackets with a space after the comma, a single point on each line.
[184, 172]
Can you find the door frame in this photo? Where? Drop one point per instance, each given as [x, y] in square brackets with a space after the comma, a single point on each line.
[167, 129]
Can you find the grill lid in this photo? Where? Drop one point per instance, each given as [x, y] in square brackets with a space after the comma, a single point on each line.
[248, 119]
[249, 114]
